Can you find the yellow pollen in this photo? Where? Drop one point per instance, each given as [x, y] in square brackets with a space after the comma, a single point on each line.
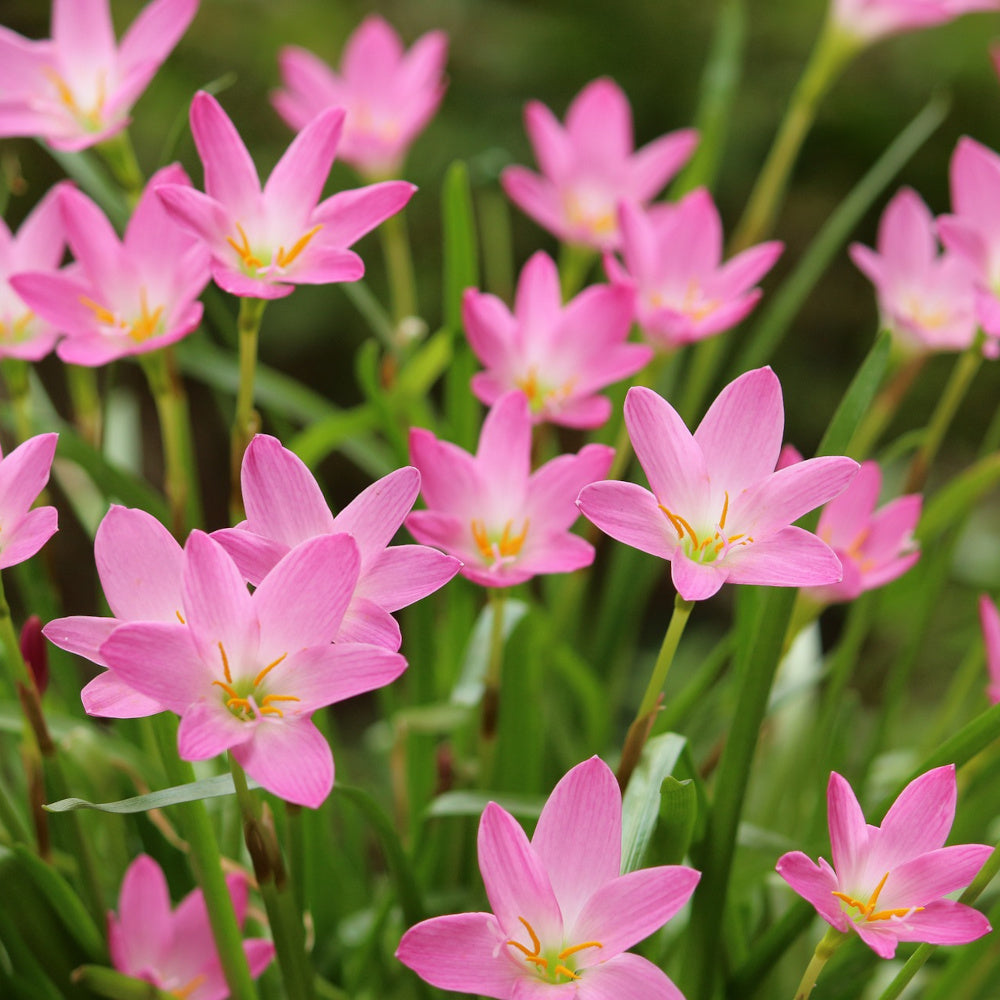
[680, 526]
[563, 971]
[225, 664]
[508, 546]
[180, 618]
[243, 249]
[284, 259]
[534, 936]
[146, 325]
[102, 313]
[267, 669]
[566, 952]
[868, 911]
[534, 956]
[228, 688]
[725, 511]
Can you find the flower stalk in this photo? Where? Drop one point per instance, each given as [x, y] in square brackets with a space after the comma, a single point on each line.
[246, 422]
[828, 944]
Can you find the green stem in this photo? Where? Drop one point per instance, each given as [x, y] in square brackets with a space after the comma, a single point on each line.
[831, 53]
[490, 710]
[638, 732]
[829, 943]
[961, 377]
[15, 374]
[916, 961]
[175, 430]
[87, 412]
[283, 915]
[399, 265]
[119, 155]
[246, 421]
[575, 262]
[884, 408]
[206, 863]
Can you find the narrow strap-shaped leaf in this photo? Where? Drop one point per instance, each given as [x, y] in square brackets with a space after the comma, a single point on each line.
[205, 788]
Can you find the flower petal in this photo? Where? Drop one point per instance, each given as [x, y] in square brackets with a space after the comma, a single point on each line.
[920, 819]
[626, 975]
[108, 696]
[403, 574]
[630, 514]
[230, 175]
[349, 215]
[144, 922]
[291, 759]
[376, 513]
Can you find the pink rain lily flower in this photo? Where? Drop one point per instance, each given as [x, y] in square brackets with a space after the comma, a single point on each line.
[245, 672]
[673, 270]
[174, 948]
[888, 882]
[285, 506]
[389, 94]
[989, 620]
[23, 475]
[558, 356]
[122, 297]
[868, 20]
[590, 165]
[77, 88]
[973, 231]
[873, 546]
[563, 914]
[265, 241]
[38, 246]
[716, 507]
[926, 299]
[504, 522]
[140, 566]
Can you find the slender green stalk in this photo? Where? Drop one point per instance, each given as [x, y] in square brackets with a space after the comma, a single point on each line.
[246, 422]
[119, 155]
[283, 914]
[399, 265]
[828, 944]
[884, 408]
[638, 732]
[180, 478]
[575, 262]
[490, 710]
[206, 863]
[15, 375]
[961, 377]
[916, 961]
[87, 411]
[831, 53]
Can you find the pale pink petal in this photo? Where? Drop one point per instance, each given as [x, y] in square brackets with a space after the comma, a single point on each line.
[373, 48]
[366, 621]
[792, 557]
[83, 32]
[41, 237]
[919, 820]
[536, 197]
[349, 215]
[449, 476]
[303, 598]
[445, 531]
[934, 874]
[144, 920]
[559, 552]
[849, 834]
[489, 326]
[203, 215]
[538, 301]
[515, 878]
[943, 922]
[80, 634]
[656, 162]
[740, 435]
[23, 475]
[230, 175]
[975, 183]
[815, 883]
[462, 952]
[282, 498]
[254, 554]
[630, 514]
[291, 759]
[586, 413]
[989, 620]
[321, 265]
[845, 516]
[108, 696]
[323, 675]
[154, 33]
[626, 975]
[140, 565]
[553, 150]
[505, 442]
[234, 281]
[745, 269]
[628, 909]
[28, 536]
[208, 728]
[553, 489]
[404, 574]
[297, 181]
[669, 455]
[880, 936]
[578, 838]
[599, 122]
[906, 234]
[696, 581]
[373, 517]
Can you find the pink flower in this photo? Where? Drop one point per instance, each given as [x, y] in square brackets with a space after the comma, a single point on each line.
[285, 506]
[868, 20]
[973, 232]
[925, 299]
[23, 475]
[140, 567]
[122, 297]
[389, 95]
[989, 619]
[504, 522]
[674, 273]
[246, 671]
[38, 246]
[716, 507]
[77, 88]
[559, 357]
[174, 949]
[563, 915]
[589, 166]
[264, 241]
[888, 883]
[874, 547]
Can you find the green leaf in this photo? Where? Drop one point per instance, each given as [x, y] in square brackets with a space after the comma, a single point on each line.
[426, 366]
[407, 888]
[468, 690]
[333, 433]
[117, 986]
[956, 498]
[84, 168]
[206, 788]
[434, 719]
[461, 257]
[472, 803]
[641, 805]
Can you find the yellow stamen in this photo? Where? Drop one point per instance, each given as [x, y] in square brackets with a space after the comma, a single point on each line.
[266, 706]
[566, 952]
[534, 937]
[182, 992]
[283, 260]
[146, 325]
[725, 513]
[180, 618]
[542, 963]
[868, 911]
[225, 663]
[243, 249]
[508, 546]
[228, 688]
[680, 526]
[265, 671]
[102, 313]
[562, 970]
